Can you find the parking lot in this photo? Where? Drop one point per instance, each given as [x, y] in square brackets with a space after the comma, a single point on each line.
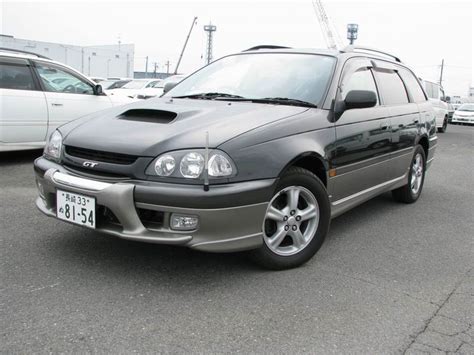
[390, 278]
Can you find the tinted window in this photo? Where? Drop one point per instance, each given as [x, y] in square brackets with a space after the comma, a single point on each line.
[391, 88]
[57, 80]
[360, 80]
[18, 77]
[412, 85]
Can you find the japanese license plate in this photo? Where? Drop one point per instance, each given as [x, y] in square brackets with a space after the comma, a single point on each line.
[75, 208]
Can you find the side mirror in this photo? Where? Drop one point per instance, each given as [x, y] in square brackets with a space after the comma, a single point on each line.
[98, 89]
[169, 86]
[448, 99]
[360, 99]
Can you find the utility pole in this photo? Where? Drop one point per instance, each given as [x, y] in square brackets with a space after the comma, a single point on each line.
[210, 29]
[154, 72]
[441, 73]
[185, 44]
[146, 67]
[167, 66]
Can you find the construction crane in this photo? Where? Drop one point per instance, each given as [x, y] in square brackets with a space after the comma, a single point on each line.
[331, 41]
[185, 44]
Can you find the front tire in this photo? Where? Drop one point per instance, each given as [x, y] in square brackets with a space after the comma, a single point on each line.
[296, 222]
[410, 192]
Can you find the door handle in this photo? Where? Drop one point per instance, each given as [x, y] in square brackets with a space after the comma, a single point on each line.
[415, 120]
[55, 104]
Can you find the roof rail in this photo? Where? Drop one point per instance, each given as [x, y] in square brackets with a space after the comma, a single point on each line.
[352, 48]
[265, 46]
[19, 51]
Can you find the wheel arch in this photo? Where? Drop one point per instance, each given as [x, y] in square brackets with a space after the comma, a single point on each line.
[310, 161]
[424, 142]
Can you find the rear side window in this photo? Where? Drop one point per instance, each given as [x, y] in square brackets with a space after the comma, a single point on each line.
[16, 76]
[391, 88]
[412, 85]
[360, 80]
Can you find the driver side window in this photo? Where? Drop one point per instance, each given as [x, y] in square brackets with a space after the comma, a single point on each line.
[57, 80]
[362, 79]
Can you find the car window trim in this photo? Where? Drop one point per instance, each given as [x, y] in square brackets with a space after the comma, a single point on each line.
[348, 69]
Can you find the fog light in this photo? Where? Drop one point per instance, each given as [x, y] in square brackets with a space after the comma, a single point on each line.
[183, 222]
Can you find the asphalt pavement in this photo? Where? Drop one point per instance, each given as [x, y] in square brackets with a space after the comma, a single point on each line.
[390, 278]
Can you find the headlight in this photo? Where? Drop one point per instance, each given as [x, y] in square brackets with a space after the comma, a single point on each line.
[53, 147]
[164, 165]
[219, 165]
[192, 165]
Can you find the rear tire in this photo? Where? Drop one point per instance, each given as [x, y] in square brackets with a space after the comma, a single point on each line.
[444, 127]
[296, 222]
[410, 192]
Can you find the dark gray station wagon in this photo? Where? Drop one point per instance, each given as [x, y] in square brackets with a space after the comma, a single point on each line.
[256, 151]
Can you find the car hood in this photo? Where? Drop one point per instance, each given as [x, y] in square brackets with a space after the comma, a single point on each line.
[151, 127]
[464, 113]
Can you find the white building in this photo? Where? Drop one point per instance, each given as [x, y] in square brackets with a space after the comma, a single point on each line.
[96, 61]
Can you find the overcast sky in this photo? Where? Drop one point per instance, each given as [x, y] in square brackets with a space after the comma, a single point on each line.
[422, 33]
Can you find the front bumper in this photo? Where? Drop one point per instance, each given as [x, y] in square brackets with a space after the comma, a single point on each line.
[230, 215]
[467, 120]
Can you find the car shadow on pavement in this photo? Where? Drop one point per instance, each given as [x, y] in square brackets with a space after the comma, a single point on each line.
[19, 157]
[115, 256]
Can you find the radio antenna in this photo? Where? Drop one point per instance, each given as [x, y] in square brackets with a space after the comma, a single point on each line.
[206, 164]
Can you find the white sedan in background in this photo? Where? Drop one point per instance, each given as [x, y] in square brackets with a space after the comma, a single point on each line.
[157, 90]
[38, 94]
[464, 114]
[132, 88]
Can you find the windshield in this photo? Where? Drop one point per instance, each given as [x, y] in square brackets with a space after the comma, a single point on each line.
[135, 84]
[466, 107]
[266, 75]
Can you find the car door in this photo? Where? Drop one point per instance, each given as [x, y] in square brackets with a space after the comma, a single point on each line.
[404, 116]
[68, 95]
[23, 109]
[362, 147]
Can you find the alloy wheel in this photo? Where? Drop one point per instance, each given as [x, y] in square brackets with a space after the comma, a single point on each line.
[291, 220]
[417, 173]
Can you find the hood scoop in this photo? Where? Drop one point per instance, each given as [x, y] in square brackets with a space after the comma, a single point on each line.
[148, 115]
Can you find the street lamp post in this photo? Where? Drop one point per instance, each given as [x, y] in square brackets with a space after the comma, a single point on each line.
[352, 29]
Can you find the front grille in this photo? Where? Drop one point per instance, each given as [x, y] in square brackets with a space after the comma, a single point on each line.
[97, 155]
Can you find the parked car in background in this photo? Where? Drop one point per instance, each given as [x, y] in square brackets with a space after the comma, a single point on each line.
[451, 110]
[111, 84]
[224, 163]
[464, 114]
[132, 88]
[438, 99]
[38, 94]
[158, 89]
[97, 79]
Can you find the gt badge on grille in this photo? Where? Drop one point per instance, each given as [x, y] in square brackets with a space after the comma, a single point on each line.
[90, 164]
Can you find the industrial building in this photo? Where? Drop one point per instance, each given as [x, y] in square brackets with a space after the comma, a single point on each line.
[115, 60]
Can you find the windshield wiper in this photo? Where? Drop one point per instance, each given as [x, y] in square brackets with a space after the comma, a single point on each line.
[284, 101]
[208, 96]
